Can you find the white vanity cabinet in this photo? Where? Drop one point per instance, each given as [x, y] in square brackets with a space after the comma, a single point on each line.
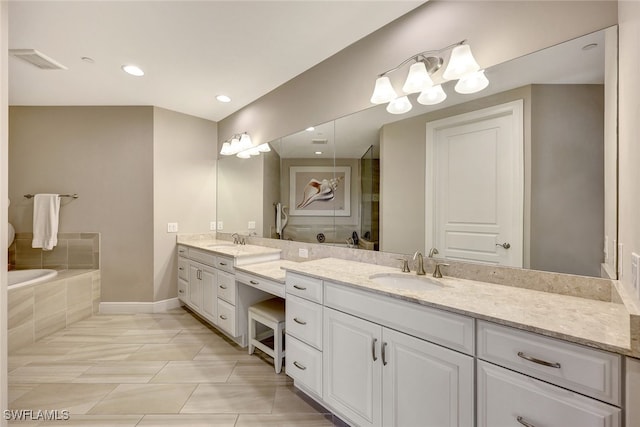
[375, 376]
[183, 273]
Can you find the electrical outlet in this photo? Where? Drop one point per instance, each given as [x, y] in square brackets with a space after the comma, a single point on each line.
[172, 227]
[212, 226]
[251, 225]
[220, 225]
[620, 258]
[303, 253]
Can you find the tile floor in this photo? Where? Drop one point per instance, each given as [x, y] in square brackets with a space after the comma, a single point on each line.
[165, 369]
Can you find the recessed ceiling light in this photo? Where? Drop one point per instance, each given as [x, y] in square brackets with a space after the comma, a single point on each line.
[318, 152]
[223, 98]
[310, 129]
[133, 70]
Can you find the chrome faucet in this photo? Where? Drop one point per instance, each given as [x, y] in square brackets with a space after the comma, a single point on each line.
[236, 238]
[436, 272]
[405, 265]
[420, 267]
[433, 251]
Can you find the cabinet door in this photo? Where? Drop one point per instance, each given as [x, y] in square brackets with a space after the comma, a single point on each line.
[506, 398]
[209, 294]
[195, 287]
[352, 367]
[425, 384]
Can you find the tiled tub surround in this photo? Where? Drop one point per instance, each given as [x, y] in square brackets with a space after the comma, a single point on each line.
[41, 309]
[74, 250]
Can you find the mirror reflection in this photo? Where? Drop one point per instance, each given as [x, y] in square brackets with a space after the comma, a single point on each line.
[436, 177]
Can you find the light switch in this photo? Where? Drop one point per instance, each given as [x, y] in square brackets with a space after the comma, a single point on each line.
[172, 227]
[251, 225]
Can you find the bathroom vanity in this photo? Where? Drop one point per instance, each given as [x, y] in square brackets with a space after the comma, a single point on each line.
[379, 347]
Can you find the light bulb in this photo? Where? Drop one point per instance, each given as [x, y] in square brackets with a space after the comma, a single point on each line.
[433, 95]
[461, 63]
[399, 105]
[383, 91]
[418, 79]
[472, 83]
[226, 149]
[245, 141]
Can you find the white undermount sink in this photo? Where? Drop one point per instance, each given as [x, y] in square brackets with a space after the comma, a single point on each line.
[406, 281]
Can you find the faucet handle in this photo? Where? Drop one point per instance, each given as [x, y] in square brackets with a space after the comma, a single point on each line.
[436, 272]
[405, 265]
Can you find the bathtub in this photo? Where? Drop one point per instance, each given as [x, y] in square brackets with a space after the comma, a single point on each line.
[18, 278]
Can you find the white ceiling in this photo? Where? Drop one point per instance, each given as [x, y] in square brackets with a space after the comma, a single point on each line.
[191, 51]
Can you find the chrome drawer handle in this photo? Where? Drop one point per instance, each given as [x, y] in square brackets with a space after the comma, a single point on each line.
[222, 263]
[523, 422]
[300, 288]
[182, 251]
[253, 282]
[373, 349]
[223, 287]
[538, 361]
[384, 354]
[301, 322]
[299, 366]
[223, 317]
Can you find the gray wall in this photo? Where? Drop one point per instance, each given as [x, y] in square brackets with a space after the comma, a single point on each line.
[497, 31]
[184, 185]
[105, 154]
[567, 182]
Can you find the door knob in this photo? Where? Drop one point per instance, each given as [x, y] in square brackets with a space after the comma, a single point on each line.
[504, 245]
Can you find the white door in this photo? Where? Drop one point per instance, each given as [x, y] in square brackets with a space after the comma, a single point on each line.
[425, 384]
[210, 294]
[352, 367]
[195, 287]
[475, 185]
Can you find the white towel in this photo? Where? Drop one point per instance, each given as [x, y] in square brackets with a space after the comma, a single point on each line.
[46, 209]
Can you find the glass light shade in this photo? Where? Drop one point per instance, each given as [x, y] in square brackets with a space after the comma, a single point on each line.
[418, 79]
[472, 83]
[399, 105]
[226, 149]
[243, 154]
[235, 144]
[245, 141]
[383, 92]
[433, 95]
[264, 148]
[461, 63]
[253, 151]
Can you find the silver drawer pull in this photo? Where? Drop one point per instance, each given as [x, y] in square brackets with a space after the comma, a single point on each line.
[300, 288]
[253, 282]
[223, 317]
[538, 361]
[384, 354]
[222, 263]
[182, 251]
[223, 287]
[301, 322]
[523, 422]
[373, 349]
[299, 366]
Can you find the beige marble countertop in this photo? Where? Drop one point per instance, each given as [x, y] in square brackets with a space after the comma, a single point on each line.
[599, 324]
[271, 270]
[225, 247]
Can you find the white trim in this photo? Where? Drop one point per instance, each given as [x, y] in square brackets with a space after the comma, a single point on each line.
[139, 307]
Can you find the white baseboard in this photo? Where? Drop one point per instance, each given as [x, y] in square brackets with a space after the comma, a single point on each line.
[139, 307]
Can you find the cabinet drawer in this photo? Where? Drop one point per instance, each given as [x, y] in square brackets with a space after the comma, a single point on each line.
[431, 324]
[304, 364]
[506, 398]
[226, 317]
[183, 268]
[585, 370]
[227, 287]
[265, 285]
[202, 256]
[304, 320]
[224, 263]
[182, 290]
[304, 287]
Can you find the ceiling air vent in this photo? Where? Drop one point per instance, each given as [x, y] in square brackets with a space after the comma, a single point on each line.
[319, 141]
[36, 58]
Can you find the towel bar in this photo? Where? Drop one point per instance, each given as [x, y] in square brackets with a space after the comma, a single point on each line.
[75, 196]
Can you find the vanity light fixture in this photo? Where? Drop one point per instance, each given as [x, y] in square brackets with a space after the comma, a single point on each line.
[242, 146]
[461, 66]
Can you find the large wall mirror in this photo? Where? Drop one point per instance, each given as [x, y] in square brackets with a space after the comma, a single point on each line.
[377, 181]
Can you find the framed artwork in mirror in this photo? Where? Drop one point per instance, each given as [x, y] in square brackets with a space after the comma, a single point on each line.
[320, 190]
